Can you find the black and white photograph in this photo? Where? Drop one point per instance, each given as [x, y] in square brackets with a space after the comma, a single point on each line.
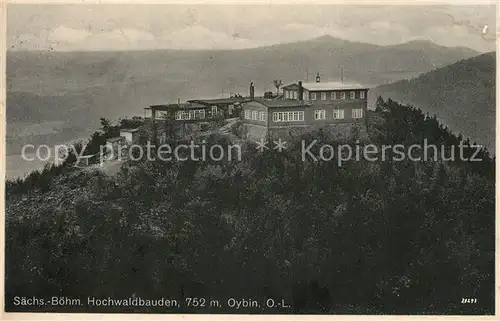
[250, 158]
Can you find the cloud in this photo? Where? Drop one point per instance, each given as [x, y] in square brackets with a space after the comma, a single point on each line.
[299, 31]
[378, 32]
[90, 27]
[194, 37]
[199, 37]
[460, 36]
[68, 35]
[120, 39]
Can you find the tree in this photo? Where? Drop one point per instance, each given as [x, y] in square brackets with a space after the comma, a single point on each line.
[105, 125]
[277, 83]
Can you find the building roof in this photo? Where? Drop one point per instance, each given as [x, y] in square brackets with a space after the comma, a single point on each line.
[331, 85]
[115, 139]
[291, 87]
[281, 102]
[129, 130]
[188, 105]
[217, 101]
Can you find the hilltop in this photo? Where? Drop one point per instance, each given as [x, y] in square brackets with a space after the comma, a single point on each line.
[461, 95]
[367, 237]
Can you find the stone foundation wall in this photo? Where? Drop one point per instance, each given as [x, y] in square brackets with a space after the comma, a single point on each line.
[346, 131]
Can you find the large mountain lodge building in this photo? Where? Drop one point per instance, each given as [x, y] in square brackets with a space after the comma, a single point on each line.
[307, 106]
[336, 106]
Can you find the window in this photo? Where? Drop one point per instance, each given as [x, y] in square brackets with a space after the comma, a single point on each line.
[362, 94]
[247, 114]
[342, 95]
[255, 115]
[287, 95]
[262, 116]
[357, 113]
[319, 114]
[334, 95]
[338, 114]
[199, 114]
[288, 116]
[352, 95]
[323, 96]
[214, 110]
[313, 96]
[191, 114]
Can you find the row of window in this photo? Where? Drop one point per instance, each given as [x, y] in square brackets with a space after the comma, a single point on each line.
[194, 114]
[334, 95]
[287, 116]
[338, 114]
[255, 115]
[190, 114]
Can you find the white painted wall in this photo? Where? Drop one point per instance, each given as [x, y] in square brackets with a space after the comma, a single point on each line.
[128, 136]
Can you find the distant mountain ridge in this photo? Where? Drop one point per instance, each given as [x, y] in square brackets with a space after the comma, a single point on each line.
[461, 95]
[121, 82]
[81, 87]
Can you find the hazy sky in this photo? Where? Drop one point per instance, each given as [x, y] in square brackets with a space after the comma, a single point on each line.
[129, 27]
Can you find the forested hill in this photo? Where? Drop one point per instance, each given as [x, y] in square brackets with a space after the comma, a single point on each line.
[368, 237]
[462, 95]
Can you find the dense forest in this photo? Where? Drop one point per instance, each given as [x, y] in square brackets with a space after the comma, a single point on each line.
[383, 237]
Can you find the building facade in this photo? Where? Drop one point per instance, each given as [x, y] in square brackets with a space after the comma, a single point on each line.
[131, 135]
[197, 109]
[307, 106]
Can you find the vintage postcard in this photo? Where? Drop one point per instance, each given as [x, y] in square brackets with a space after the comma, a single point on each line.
[250, 159]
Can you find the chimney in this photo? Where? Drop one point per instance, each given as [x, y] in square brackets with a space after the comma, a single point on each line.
[301, 91]
[318, 79]
[252, 91]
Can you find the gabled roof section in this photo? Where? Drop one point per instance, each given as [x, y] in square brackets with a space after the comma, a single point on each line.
[291, 87]
[276, 103]
[332, 85]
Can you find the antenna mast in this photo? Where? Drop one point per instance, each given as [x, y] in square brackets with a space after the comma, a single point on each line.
[342, 74]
